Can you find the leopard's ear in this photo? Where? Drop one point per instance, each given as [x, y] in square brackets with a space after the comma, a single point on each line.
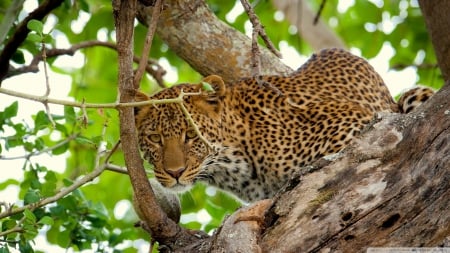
[210, 102]
[138, 98]
[216, 83]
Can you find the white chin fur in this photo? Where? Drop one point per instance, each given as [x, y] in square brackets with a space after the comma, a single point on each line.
[179, 188]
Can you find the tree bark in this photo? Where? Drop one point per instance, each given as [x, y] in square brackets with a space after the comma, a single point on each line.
[154, 219]
[438, 24]
[210, 46]
[389, 188]
[299, 14]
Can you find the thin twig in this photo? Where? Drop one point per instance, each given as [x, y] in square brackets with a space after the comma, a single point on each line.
[62, 193]
[255, 59]
[84, 116]
[157, 73]
[259, 27]
[100, 147]
[36, 153]
[401, 66]
[44, 60]
[319, 12]
[93, 105]
[178, 100]
[191, 121]
[113, 150]
[116, 168]
[148, 44]
[47, 85]
[16, 229]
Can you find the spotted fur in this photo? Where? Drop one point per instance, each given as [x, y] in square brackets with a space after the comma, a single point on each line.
[261, 130]
[413, 98]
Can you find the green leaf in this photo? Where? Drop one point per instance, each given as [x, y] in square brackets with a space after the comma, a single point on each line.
[25, 247]
[34, 38]
[46, 220]
[193, 225]
[63, 238]
[29, 216]
[4, 249]
[31, 197]
[41, 121]
[62, 128]
[7, 183]
[36, 25]
[13, 142]
[84, 140]
[8, 224]
[61, 149]
[30, 232]
[20, 129]
[49, 187]
[69, 115]
[18, 57]
[67, 182]
[11, 111]
[48, 39]
[207, 87]
[35, 183]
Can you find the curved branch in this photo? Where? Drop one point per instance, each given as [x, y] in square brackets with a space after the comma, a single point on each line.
[33, 66]
[259, 27]
[195, 34]
[36, 153]
[21, 34]
[147, 45]
[87, 178]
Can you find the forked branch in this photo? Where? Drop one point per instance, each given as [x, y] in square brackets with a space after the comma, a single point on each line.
[258, 30]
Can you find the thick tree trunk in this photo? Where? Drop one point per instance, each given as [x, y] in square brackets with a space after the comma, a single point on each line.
[438, 25]
[389, 188]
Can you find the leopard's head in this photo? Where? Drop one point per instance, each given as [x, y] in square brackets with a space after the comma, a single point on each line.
[167, 138]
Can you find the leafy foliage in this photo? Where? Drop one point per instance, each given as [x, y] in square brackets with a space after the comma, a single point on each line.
[88, 218]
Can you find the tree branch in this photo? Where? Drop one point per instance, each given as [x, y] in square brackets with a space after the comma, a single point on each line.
[299, 14]
[259, 28]
[63, 192]
[21, 34]
[83, 105]
[148, 44]
[219, 45]
[155, 220]
[33, 66]
[99, 168]
[49, 149]
[438, 23]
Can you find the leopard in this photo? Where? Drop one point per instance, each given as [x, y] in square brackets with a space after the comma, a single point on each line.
[249, 137]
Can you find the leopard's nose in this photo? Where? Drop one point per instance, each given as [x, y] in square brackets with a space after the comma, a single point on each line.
[176, 173]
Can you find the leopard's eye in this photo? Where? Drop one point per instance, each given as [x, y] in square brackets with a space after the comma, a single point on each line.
[156, 138]
[191, 134]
